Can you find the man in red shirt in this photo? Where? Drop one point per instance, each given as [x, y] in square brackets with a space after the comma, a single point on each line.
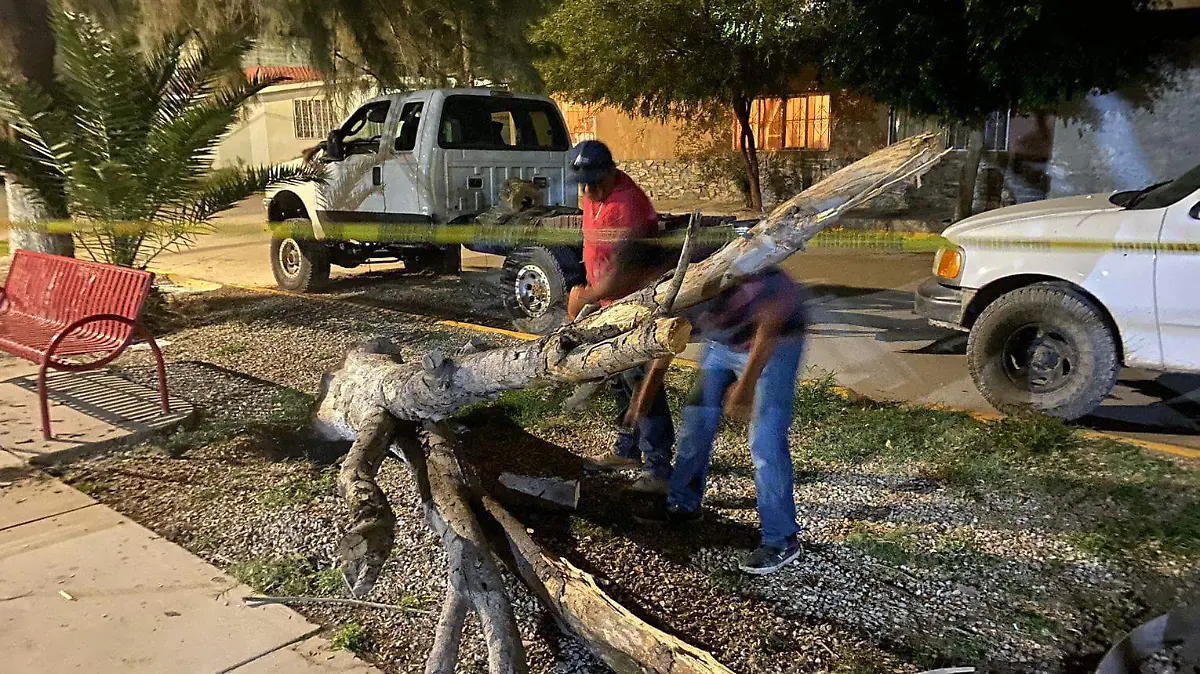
[615, 209]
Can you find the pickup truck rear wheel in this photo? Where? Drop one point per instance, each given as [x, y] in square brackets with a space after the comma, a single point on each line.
[534, 284]
[299, 262]
[1046, 348]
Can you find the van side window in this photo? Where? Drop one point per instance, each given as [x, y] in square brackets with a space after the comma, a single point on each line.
[501, 123]
[406, 128]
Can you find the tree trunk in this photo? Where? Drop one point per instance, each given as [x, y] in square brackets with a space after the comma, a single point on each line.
[27, 216]
[376, 399]
[970, 174]
[27, 42]
[741, 109]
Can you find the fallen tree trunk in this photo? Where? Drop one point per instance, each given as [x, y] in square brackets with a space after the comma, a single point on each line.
[625, 643]
[377, 399]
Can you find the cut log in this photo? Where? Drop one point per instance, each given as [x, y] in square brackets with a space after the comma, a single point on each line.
[623, 641]
[560, 492]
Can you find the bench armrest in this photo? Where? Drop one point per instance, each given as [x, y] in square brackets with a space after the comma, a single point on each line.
[137, 329]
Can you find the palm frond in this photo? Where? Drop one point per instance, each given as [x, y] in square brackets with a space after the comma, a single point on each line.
[35, 175]
[226, 188]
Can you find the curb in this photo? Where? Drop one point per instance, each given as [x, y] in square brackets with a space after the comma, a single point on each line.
[1151, 445]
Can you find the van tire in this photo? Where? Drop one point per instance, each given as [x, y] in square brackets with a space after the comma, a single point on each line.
[534, 283]
[299, 262]
[1047, 348]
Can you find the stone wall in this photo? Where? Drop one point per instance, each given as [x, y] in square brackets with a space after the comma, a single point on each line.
[681, 179]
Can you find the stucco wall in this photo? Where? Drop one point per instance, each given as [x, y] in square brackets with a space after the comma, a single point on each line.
[1127, 148]
[267, 134]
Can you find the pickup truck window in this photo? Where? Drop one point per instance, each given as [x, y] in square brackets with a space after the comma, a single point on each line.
[406, 129]
[366, 124]
[500, 123]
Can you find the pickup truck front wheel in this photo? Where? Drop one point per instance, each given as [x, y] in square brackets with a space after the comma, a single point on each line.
[299, 263]
[535, 282]
[1045, 347]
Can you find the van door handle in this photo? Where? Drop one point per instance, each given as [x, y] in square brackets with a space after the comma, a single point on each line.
[377, 175]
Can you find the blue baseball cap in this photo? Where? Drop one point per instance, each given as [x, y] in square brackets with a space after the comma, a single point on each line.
[591, 162]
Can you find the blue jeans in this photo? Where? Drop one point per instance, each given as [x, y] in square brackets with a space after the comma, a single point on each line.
[655, 435]
[774, 397]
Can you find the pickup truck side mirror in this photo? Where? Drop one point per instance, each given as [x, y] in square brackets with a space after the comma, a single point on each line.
[332, 146]
[1195, 212]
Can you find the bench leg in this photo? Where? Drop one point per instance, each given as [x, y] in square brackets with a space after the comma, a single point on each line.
[162, 371]
[44, 400]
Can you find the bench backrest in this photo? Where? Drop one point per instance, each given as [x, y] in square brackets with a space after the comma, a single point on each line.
[62, 290]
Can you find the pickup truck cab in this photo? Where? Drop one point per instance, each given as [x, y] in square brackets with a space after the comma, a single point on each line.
[1058, 295]
[403, 163]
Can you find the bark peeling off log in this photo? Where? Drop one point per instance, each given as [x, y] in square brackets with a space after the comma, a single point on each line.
[368, 542]
[437, 388]
[623, 641]
[473, 572]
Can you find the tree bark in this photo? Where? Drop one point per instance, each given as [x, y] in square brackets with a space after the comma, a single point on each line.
[748, 143]
[623, 641]
[376, 398]
[970, 174]
[27, 43]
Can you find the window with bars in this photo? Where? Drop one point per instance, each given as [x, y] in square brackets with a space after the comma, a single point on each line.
[313, 117]
[793, 123]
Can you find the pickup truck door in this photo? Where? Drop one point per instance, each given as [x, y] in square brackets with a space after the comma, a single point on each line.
[404, 174]
[355, 191]
[1176, 283]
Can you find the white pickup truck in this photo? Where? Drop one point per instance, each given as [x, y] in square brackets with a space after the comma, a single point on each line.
[1058, 295]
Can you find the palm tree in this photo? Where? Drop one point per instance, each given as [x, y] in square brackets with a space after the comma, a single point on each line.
[121, 143]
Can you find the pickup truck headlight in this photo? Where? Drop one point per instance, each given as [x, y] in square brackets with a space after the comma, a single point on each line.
[948, 264]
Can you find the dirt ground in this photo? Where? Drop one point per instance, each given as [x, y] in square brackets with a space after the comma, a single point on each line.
[931, 539]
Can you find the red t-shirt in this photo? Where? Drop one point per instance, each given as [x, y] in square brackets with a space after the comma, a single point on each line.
[627, 212]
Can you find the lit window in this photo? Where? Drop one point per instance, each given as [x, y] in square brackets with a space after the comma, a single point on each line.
[795, 123]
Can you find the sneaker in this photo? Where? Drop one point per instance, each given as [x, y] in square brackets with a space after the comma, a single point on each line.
[648, 484]
[769, 560]
[665, 515]
[611, 462]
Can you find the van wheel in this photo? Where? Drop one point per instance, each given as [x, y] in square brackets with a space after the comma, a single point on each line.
[300, 263]
[534, 284]
[1045, 347]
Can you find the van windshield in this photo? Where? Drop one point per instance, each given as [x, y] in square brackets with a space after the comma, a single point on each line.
[501, 123]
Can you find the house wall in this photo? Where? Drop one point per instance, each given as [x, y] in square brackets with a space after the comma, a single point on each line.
[267, 134]
[1126, 147]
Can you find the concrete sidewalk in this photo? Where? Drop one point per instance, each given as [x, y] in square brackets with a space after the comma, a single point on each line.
[83, 588]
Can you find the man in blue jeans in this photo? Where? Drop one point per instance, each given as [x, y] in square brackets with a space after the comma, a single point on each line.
[749, 369]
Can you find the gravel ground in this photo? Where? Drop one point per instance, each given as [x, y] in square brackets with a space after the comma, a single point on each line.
[901, 570]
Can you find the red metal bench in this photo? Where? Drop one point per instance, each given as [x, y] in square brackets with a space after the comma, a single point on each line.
[53, 306]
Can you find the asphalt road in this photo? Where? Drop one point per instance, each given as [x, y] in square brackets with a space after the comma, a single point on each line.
[864, 332]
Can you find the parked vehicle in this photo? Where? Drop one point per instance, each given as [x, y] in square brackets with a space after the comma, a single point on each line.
[1058, 295]
[403, 165]
[403, 162]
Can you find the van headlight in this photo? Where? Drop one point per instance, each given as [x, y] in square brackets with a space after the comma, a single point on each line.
[948, 263]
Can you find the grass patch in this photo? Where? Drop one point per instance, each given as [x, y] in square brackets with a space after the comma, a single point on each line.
[288, 576]
[230, 349]
[893, 545]
[286, 411]
[1034, 623]
[582, 529]
[300, 489]
[416, 601]
[727, 580]
[351, 637]
[285, 576]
